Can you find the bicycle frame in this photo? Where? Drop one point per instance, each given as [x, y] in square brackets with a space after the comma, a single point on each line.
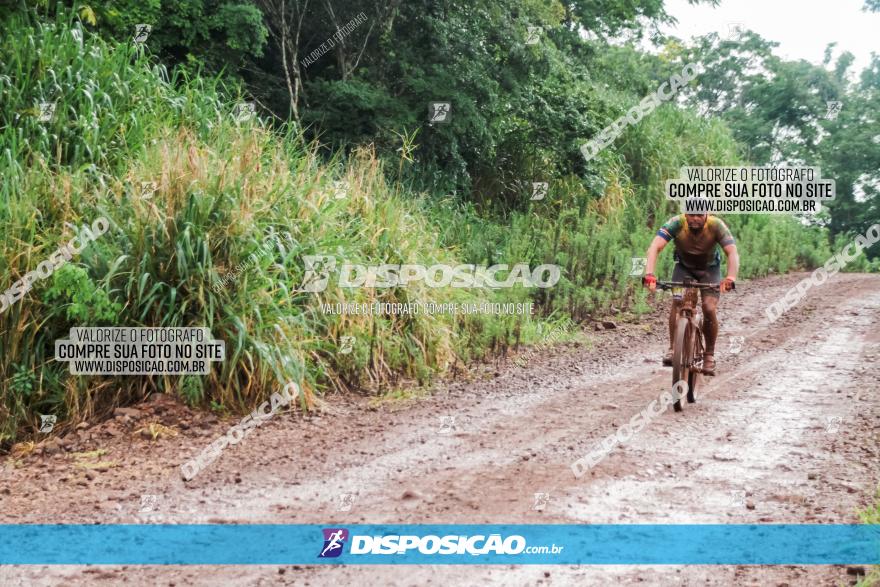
[688, 312]
[688, 349]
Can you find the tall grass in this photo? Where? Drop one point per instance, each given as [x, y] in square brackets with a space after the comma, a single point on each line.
[227, 187]
[223, 189]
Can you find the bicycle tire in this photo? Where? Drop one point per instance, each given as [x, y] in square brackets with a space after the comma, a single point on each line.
[679, 357]
[692, 386]
[695, 351]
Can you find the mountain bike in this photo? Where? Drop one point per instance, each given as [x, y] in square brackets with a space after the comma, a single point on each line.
[687, 347]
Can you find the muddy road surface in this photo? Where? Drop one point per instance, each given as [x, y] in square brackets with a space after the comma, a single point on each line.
[787, 432]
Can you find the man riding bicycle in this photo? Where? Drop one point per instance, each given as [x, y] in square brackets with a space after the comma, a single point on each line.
[696, 259]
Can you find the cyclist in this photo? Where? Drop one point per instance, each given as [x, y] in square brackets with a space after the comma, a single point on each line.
[697, 259]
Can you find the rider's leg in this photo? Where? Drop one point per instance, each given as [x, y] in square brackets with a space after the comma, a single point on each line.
[709, 297]
[710, 322]
[710, 331]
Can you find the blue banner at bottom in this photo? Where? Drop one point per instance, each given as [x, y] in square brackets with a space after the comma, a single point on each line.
[263, 544]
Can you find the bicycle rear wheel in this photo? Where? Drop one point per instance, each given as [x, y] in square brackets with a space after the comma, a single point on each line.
[680, 351]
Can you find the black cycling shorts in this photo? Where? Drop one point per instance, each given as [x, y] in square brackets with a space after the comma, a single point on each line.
[711, 274]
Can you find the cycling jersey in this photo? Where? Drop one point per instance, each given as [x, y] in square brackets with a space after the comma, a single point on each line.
[696, 250]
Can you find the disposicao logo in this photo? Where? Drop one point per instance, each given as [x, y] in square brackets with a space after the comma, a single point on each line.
[334, 540]
[473, 545]
[318, 269]
[403, 544]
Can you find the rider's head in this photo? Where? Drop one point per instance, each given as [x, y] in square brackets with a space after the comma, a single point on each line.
[696, 222]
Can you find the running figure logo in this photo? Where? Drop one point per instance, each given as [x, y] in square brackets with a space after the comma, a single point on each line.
[534, 35]
[539, 190]
[47, 423]
[317, 276]
[638, 266]
[439, 111]
[736, 344]
[334, 539]
[834, 107]
[142, 33]
[47, 111]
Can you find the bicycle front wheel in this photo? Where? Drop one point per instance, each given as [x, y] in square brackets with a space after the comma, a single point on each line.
[680, 359]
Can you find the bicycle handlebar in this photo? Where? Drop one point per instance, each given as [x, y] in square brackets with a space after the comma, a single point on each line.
[691, 284]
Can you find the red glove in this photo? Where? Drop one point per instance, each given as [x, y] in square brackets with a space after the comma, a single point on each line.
[727, 284]
[650, 281]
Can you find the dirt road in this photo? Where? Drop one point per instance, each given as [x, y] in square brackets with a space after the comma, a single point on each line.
[788, 432]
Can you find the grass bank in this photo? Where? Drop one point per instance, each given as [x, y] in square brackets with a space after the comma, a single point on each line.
[233, 205]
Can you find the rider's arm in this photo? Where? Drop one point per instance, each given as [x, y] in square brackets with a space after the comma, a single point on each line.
[656, 246]
[665, 234]
[732, 261]
[728, 245]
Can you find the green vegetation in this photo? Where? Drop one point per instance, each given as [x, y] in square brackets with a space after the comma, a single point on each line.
[223, 189]
[128, 114]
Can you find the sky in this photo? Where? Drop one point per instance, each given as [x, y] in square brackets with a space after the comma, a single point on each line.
[802, 28]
